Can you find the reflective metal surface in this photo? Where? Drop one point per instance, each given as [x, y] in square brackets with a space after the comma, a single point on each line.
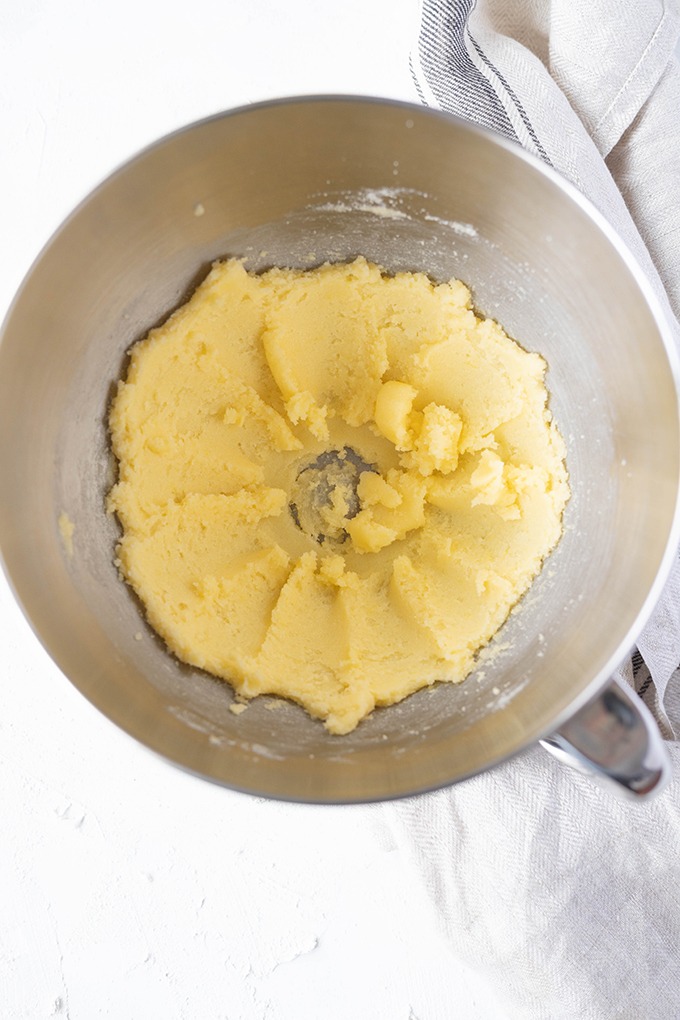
[615, 737]
[296, 183]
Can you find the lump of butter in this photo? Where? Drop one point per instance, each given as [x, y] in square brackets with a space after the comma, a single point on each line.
[431, 436]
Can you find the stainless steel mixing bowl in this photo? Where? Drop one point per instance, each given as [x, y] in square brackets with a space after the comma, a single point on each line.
[296, 183]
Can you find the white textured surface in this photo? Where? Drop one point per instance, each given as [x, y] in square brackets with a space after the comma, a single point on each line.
[128, 889]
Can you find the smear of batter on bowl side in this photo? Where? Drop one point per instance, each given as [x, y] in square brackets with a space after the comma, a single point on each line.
[334, 484]
[66, 530]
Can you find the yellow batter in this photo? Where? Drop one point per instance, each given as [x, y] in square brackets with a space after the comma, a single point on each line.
[334, 484]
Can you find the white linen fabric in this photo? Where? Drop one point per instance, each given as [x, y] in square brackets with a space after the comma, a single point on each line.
[566, 898]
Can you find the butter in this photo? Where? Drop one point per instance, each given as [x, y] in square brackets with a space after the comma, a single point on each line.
[66, 531]
[333, 484]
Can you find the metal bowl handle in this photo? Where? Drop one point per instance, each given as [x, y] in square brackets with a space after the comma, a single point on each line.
[615, 737]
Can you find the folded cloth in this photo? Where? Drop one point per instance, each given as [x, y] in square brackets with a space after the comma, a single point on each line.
[565, 899]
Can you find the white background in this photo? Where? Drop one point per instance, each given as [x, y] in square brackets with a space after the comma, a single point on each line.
[128, 889]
